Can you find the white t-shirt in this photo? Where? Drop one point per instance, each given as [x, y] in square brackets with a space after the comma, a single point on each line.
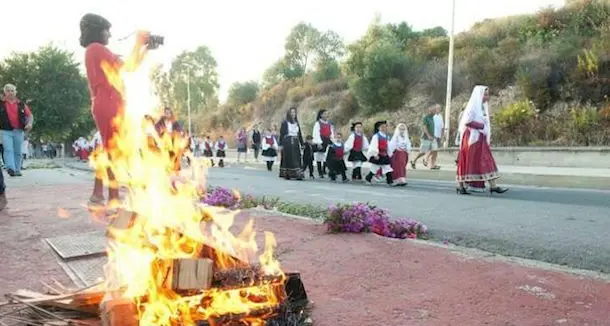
[438, 126]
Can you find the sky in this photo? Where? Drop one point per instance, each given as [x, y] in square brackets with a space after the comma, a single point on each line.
[245, 37]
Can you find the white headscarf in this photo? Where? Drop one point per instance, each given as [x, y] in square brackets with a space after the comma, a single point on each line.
[400, 140]
[476, 111]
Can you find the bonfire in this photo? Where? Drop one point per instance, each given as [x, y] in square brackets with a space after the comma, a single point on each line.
[171, 259]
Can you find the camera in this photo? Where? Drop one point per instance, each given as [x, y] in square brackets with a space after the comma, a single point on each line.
[154, 41]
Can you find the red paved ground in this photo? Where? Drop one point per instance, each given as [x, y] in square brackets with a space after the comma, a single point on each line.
[353, 279]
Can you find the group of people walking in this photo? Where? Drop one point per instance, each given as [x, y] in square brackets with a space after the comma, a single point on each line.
[388, 154]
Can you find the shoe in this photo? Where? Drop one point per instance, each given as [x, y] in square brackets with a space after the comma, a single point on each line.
[3, 201]
[18, 174]
[413, 165]
[425, 163]
[498, 190]
[461, 191]
[10, 172]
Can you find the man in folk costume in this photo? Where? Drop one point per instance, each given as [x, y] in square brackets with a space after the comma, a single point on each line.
[400, 145]
[270, 147]
[356, 145]
[323, 133]
[335, 159]
[379, 153]
[475, 162]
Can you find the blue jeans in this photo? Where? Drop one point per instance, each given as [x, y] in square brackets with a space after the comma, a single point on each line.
[12, 140]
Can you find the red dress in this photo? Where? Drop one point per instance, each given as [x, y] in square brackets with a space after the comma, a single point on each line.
[475, 162]
[399, 164]
[106, 101]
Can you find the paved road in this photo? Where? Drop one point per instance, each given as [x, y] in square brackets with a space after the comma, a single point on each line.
[563, 226]
[557, 225]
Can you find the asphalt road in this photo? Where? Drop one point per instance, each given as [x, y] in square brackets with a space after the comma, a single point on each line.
[561, 226]
[557, 225]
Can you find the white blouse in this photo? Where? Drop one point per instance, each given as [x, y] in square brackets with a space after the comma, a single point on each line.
[293, 129]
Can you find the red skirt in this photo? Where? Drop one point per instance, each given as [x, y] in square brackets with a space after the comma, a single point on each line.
[475, 162]
[83, 154]
[399, 164]
[105, 110]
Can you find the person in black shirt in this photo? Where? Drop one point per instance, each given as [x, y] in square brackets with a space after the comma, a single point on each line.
[256, 142]
[308, 156]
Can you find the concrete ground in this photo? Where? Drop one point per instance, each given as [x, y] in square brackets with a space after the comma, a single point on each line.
[361, 280]
[557, 225]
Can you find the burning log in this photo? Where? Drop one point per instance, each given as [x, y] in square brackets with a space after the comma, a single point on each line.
[243, 277]
[119, 312]
[123, 220]
[191, 274]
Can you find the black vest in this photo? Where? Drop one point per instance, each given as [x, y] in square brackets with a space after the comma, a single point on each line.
[5, 123]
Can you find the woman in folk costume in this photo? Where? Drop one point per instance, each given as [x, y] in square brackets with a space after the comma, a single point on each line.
[400, 146]
[475, 162]
[323, 133]
[208, 149]
[270, 147]
[291, 141]
[221, 148]
[379, 153]
[356, 145]
[335, 159]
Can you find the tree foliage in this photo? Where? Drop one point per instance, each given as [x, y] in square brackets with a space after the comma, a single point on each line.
[194, 71]
[50, 77]
[242, 93]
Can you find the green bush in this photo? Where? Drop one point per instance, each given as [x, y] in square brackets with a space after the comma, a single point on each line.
[517, 120]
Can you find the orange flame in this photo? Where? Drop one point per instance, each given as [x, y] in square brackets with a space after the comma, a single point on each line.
[169, 222]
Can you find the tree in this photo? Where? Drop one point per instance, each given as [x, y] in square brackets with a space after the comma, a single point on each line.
[437, 31]
[242, 93]
[379, 69]
[195, 70]
[329, 47]
[301, 45]
[162, 85]
[51, 78]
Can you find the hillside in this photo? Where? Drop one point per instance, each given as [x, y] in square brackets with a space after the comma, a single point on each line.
[549, 74]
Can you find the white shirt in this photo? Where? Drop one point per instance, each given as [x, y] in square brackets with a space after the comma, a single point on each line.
[293, 129]
[438, 126]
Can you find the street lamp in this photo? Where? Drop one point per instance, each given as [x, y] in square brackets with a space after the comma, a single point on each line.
[449, 77]
[188, 96]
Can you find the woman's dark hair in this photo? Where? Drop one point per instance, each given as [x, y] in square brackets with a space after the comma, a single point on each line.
[92, 27]
[289, 117]
[320, 113]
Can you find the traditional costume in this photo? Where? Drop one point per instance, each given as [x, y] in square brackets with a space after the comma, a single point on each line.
[81, 148]
[356, 145]
[221, 147]
[400, 146]
[242, 144]
[323, 133]
[475, 161]
[379, 154]
[291, 140]
[335, 161]
[308, 153]
[208, 150]
[269, 147]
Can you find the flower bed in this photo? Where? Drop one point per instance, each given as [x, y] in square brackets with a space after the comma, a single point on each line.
[361, 217]
[353, 218]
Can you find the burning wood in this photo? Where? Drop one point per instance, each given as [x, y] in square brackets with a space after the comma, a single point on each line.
[191, 274]
[119, 312]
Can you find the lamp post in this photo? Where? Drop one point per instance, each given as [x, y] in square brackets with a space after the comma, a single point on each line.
[188, 97]
[449, 77]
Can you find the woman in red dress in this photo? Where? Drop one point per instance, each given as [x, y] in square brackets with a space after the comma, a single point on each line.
[106, 94]
[401, 146]
[475, 162]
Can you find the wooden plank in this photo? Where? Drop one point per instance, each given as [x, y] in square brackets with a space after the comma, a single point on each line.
[119, 312]
[123, 220]
[191, 274]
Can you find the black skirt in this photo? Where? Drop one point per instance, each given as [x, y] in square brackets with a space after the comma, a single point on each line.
[383, 160]
[208, 153]
[290, 164]
[220, 153]
[356, 156]
[269, 152]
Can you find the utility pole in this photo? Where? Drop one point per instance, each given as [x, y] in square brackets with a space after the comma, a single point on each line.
[449, 77]
[188, 97]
